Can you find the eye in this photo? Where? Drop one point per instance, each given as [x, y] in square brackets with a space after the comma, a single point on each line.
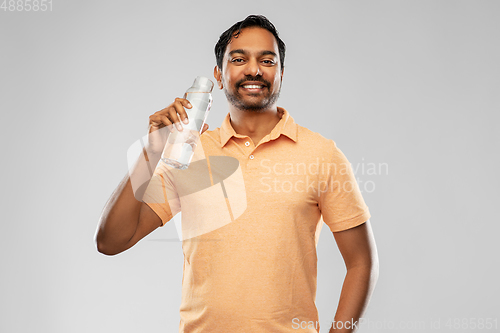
[237, 60]
[268, 62]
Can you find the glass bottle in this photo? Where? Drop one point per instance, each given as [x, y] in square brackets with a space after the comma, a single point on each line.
[180, 145]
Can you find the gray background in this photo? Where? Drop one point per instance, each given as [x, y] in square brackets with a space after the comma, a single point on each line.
[412, 85]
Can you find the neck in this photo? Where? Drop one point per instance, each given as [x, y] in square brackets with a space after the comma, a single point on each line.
[256, 125]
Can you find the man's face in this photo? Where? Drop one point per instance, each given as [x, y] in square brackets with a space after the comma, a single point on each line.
[251, 74]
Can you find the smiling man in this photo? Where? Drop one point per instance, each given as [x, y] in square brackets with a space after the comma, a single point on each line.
[250, 71]
[258, 273]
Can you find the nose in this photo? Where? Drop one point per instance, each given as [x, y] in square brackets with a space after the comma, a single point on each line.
[252, 68]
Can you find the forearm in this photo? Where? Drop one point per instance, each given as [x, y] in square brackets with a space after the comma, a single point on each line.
[357, 289]
[120, 215]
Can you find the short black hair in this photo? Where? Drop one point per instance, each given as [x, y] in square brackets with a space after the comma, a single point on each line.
[251, 21]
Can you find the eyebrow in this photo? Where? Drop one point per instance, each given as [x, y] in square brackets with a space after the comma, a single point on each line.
[262, 53]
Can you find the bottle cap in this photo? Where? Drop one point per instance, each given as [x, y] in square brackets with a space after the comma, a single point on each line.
[204, 84]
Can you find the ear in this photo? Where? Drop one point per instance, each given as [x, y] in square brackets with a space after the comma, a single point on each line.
[282, 71]
[218, 76]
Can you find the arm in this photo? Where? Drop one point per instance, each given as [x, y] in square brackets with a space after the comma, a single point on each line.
[125, 218]
[357, 246]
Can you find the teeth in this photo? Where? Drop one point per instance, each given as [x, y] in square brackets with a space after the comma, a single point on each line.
[250, 86]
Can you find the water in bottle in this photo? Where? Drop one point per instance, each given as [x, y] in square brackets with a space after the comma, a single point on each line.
[180, 145]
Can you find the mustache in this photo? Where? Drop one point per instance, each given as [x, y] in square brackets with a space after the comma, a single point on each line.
[253, 78]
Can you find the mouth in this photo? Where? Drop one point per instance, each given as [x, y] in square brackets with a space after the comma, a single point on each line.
[252, 87]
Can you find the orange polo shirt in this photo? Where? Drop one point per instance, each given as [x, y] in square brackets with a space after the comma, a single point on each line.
[251, 217]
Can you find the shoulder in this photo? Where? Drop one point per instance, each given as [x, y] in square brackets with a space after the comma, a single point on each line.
[314, 140]
[318, 145]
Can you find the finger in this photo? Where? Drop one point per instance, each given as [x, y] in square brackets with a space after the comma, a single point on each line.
[182, 112]
[155, 123]
[161, 119]
[178, 109]
[205, 127]
[167, 122]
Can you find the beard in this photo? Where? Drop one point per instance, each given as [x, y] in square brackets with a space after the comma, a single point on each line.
[260, 104]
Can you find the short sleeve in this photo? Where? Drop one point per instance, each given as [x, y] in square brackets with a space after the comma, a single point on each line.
[340, 200]
[161, 195]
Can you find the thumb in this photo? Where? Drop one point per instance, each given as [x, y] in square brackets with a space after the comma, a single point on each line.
[205, 127]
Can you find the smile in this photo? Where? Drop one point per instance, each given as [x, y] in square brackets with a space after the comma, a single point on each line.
[252, 86]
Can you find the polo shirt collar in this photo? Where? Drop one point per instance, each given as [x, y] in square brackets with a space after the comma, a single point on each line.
[285, 126]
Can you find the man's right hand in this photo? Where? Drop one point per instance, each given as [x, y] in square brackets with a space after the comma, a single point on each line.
[162, 123]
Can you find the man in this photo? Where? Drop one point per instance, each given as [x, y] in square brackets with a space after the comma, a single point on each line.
[258, 274]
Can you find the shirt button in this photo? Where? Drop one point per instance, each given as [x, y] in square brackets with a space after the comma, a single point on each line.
[247, 143]
[251, 157]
